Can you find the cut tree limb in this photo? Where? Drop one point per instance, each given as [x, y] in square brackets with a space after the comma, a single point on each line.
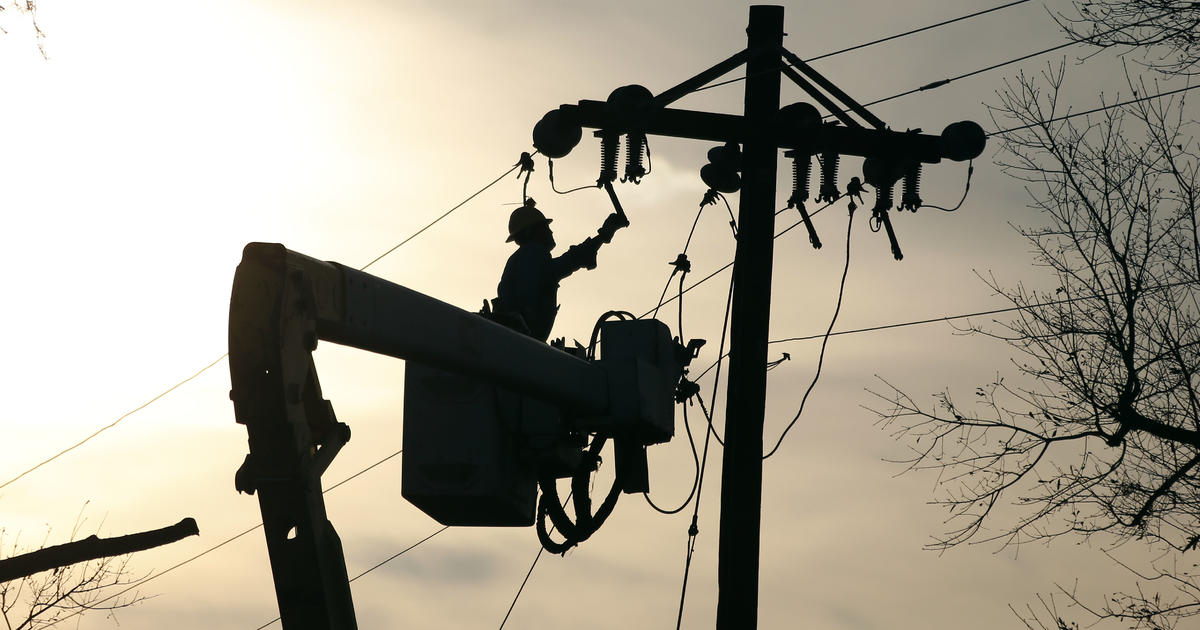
[91, 548]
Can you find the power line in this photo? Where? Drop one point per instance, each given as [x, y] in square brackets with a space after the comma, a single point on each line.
[730, 263]
[522, 587]
[389, 559]
[916, 30]
[223, 356]
[528, 573]
[1093, 111]
[940, 83]
[949, 318]
[879, 41]
[443, 216]
[239, 535]
[114, 422]
[825, 342]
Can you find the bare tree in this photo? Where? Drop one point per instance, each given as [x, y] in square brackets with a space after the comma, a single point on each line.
[22, 8]
[1098, 432]
[50, 597]
[1162, 32]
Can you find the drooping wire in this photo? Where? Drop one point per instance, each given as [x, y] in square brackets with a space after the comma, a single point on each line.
[686, 425]
[732, 221]
[686, 245]
[564, 192]
[693, 529]
[821, 357]
[966, 189]
[714, 273]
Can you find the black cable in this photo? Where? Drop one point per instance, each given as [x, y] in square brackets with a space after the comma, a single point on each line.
[948, 318]
[687, 427]
[877, 41]
[916, 30]
[940, 83]
[721, 354]
[966, 189]
[693, 528]
[666, 286]
[393, 557]
[522, 587]
[115, 422]
[1093, 111]
[550, 164]
[526, 580]
[401, 552]
[444, 215]
[730, 264]
[824, 343]
[217, 546]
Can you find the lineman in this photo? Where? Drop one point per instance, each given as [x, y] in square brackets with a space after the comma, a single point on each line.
[527, 296]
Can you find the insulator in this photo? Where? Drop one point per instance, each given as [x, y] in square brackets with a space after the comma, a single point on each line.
[635, 148]
[610, 143]
[801, 172]
[880, 219]
[829, 171]
[883, 199]
[912, 188]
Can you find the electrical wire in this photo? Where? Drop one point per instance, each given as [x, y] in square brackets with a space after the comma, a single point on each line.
[115, 422]
[521, 588]
[139, 583]
[528, 573]
[443, 215]
[376, 566]
[941, 82]
[949, 318]
[878, 41]
[694, 529]
[666, 286]
[1093, 111]
[223, 356]
[821, 357]
[966, 190]
[917, 30]
[550, 164]
[730, 263]
[686, 426]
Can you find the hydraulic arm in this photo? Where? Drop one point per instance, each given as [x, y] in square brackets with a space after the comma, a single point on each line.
[284, 302]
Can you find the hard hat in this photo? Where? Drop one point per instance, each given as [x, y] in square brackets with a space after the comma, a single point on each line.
[523, 218]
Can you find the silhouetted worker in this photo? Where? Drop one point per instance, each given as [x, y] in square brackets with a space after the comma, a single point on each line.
[527, 297]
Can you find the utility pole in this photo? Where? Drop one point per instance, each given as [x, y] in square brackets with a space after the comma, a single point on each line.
[284, 302]
[762, 130]
[741, 475]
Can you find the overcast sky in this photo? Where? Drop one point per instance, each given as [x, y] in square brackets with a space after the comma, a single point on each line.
[158, 138]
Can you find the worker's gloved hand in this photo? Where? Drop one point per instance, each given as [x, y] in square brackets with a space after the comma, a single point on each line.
[612, 223]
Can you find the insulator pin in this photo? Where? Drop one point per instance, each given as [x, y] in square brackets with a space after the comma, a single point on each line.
[911, 200]
[635, 148]
[829, 169]
[610, 143]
